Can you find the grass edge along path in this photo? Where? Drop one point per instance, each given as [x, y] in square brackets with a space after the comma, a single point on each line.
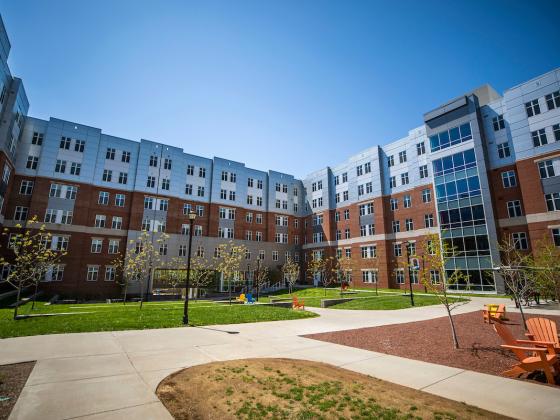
[118, 317]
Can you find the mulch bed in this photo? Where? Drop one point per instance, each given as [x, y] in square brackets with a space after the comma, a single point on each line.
[12, 380]
[430, 341]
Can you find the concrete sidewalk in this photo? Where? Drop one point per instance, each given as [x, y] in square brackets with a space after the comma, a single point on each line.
[114, 375]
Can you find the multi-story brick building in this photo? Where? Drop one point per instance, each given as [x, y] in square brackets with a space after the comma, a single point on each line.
[481, 167]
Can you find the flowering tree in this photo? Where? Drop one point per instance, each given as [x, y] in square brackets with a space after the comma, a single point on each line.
[290, 272]
[228, 262]
[322, 267]
[436, 256]
[139, 262]
[545, 269]
[31, 257]
[341, 268]
[260, 277]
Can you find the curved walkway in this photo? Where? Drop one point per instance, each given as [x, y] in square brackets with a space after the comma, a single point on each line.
[113, 375]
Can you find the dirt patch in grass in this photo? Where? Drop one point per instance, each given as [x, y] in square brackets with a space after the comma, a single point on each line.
[12, 380]
[430, 341]
[298, 389]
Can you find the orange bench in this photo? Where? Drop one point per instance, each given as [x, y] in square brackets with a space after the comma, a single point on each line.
[298, 304]
[494, 312]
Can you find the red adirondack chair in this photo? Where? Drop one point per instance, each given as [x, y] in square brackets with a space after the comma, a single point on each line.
[298, 304]
[539, 358]
[543, 329]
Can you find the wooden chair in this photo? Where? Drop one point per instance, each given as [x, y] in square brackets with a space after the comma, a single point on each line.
[494, 312]
[543, 329]
[298, 304]
[539, 358]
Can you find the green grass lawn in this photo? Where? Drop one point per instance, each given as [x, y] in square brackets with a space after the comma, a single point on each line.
[384, 302]
[313, 295]
[115, 316]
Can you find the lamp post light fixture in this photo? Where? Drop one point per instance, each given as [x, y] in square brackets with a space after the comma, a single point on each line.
[192, 216]
[407, 246]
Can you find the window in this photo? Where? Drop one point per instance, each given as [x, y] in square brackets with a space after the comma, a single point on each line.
[420, 148]
[60, 166]
[402, 156]
[556, 236]
[100, 220]
[399, 275]
[259, 184]
[123, 178]
[397, 250]
[539, 137]
[369, 251]
[434, 276]
[37, 139]
[197, 230]
[394, 204]
[182, 250]
[553, 100]
[224, 176]
[232, 195]
[163, 249]
[369, 276]
[424, 171]
[110, 273]
[116, 222]
[50, 216]
[392, 182]
[428, 220]
[107, 175]
[450, 137]
[20, 213]
[165, 184]
[503, 150]
[345, 177]
[346, 214]
[119, 200]
[396, 226]
[148, 203]
[167, 164]
[202, 172]
[533, 108]
[75, 168]
[151, 182]
[365, 230]
[92, 272]
[163, 204]
[514, 208]
[65, 143]
[366, 209]
[409, 225]
[367, 167]
[200, 191]
[79, 146]
[32, 162]
[26, 187]
[347, 233]
[232, 177]
[556, 131]
[508, 179]
[407, 201]
[404, 178]
[426, 195]
[546, 169]
[125, 157]
[103, 198]
[552, 201]
[113, 246]
[336, 180]
[190, 169]
[520, 240]
[390, 161]
[259, 201]
[153, 161]
[359, 170]
[96, 245]
[110, 153]
[498, 123]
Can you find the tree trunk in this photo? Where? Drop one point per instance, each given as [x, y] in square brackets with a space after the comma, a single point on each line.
[35, 295]
[141, 295]
[17, 300]
[518, 302]
[453, 332]
[229, 290]
[125, 290]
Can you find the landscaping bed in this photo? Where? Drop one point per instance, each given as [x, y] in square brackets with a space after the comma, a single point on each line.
[431, 341]
[298, 389]
[12, 381]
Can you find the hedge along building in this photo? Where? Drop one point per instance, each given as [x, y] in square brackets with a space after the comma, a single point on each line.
[481, 167]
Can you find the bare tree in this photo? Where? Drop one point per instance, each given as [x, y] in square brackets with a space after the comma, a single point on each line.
[260, 277]
[514, 271]
[437, 279]
[545, 269]
[30, 258]
[290, 271]
[323, 267]
[341, 268]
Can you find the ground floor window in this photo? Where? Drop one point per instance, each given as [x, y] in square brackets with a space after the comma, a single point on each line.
[369, 276]
[399, 275]
[556, 236]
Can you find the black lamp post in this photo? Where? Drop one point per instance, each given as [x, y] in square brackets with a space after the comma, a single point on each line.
[192, 216]
[407, 245]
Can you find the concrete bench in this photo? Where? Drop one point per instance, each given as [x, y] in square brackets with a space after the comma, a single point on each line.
[325, 303]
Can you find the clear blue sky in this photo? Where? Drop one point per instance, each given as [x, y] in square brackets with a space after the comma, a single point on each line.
[287, 85]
